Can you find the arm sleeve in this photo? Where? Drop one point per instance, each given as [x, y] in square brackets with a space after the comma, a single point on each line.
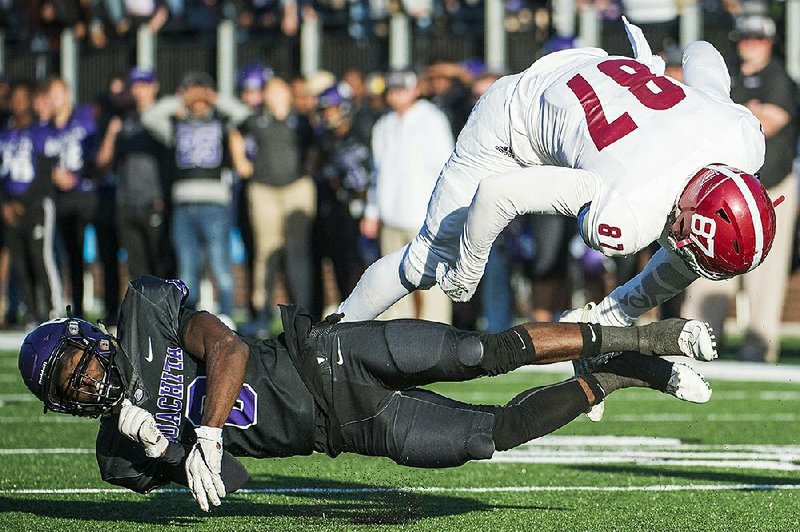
[704, 69]
[503, 197]
[664, 276]
[157, 119]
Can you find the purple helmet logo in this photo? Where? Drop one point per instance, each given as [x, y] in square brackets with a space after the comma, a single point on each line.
[92, 386]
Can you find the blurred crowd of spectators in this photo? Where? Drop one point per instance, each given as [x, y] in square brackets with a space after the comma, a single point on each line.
[98, 22]
[167, 178]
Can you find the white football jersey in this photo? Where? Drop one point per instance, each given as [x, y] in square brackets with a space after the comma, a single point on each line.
[642, 135]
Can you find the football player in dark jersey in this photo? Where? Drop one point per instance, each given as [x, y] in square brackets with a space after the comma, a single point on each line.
[179, 394]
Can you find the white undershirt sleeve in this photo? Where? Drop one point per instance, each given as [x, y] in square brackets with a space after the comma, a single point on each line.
[705, 70]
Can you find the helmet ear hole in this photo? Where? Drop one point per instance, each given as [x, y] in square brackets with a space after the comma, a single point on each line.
[722, 214]
[736, 247]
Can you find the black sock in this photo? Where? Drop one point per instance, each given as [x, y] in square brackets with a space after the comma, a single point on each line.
[540, 411]
[507, 350]
[628, 370]
[657, 338]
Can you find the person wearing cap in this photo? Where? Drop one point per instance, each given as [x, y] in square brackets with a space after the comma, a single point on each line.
[252, 80]
[762, 84]
[409, 146]
[199, 127]
[141, 165]
[281, 200]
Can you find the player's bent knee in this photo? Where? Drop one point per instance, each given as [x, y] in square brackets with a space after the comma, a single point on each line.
[419, 257]
[419, 346]
[470, 351]
[442, 436]
[480, 447]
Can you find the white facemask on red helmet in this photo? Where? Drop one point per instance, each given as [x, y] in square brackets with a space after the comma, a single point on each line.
[724, 222]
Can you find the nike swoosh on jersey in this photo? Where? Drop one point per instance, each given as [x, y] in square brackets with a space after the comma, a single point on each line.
[149, 356]
[339, 359]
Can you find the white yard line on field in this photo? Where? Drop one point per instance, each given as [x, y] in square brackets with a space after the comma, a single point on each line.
[646, 451]
[638, 396]
[46, 451]
[721, 370]
[54, 418]
[430, 489]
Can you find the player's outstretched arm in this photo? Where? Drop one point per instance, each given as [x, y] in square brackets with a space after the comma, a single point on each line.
[225, 357]
[498, 200]
[664, 276]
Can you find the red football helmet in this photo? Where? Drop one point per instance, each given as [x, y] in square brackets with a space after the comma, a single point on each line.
[724, 222]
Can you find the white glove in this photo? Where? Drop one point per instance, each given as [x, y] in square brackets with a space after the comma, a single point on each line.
[450, 285]
[584, 315]
[139, 425]
[204, 467]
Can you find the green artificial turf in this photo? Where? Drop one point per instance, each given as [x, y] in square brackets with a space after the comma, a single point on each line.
[353, 492]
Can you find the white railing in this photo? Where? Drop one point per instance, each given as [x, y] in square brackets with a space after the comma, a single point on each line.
[400, 53]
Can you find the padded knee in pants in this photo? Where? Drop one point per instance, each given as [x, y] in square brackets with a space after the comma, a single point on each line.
[429, 433]
[417, 346]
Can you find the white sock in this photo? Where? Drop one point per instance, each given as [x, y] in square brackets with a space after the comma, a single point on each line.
[377, 290]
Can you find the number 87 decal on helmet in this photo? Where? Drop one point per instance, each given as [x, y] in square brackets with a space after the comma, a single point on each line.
[723, 223]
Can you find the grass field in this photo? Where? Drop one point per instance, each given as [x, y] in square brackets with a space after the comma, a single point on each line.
[654, 463]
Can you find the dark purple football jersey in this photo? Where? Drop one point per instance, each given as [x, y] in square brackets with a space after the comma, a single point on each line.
[20, 150]
[74, 146]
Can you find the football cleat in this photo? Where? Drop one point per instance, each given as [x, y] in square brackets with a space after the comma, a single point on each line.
[697, 340]
[688, 385]
[676, 336]
[671, 378]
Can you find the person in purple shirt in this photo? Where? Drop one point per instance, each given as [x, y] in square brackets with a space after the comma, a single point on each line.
[27, 206]
[73, 142]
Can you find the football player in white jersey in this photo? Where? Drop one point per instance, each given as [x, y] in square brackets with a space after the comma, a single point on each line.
[634, 155]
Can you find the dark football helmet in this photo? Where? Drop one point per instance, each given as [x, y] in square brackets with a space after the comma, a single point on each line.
[724, 222]
[336, 105]
[88, 391]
